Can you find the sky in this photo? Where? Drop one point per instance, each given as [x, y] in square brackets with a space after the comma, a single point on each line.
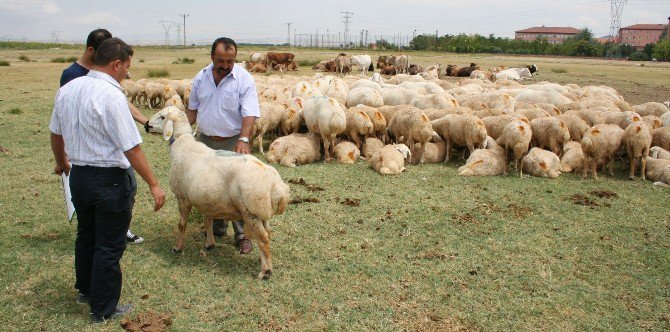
[138, 22]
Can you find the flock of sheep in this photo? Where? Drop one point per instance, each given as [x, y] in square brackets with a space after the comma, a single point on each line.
[545, 128]
[426, 119]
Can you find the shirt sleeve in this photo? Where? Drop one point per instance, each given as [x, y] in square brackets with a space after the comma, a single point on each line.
[193, 101]
[55, 125]
[120, 125]
[249, 98]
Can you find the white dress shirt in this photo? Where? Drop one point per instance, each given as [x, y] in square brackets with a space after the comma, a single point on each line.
[221, 108]
[92, 115]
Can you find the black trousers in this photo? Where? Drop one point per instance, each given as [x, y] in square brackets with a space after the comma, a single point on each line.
[101, 197]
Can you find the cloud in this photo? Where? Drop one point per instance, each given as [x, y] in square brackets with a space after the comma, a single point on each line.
[31, 8]
[98, 18]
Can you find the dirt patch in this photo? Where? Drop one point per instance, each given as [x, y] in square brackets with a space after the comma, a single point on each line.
[465, 219]
[580, 199]
[432, 255]
[519, 212]
[299, 200]
[604, 194]
[147, 321]
[432, 322]
[3, 149]
[302, 182]
[351, 201]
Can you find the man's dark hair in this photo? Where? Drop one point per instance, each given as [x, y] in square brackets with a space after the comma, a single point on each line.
[96, 37]
[228, 44]
[112, 49]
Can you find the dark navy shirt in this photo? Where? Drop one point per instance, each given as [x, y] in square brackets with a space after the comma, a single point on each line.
[75, 70]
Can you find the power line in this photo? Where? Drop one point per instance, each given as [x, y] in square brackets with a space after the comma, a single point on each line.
[288, 34]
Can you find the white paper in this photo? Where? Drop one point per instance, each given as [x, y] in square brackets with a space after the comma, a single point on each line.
[68, 196]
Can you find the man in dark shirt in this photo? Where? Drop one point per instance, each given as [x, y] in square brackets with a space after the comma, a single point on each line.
[81, 67]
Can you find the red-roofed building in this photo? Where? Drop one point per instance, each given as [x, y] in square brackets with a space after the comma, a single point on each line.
[639, 35]
[554, 35]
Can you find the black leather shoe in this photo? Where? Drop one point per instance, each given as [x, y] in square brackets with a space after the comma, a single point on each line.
[119, 311]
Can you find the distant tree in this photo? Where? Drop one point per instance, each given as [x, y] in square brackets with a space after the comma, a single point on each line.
[584, 34]
[649, 50]
[662, 50]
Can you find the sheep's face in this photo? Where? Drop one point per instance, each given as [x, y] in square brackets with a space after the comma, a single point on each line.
[159, 120]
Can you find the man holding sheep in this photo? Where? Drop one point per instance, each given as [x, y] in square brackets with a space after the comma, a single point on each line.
[92, 126]
[225, 105]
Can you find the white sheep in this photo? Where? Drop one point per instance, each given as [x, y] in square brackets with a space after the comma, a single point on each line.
[600, 144]
[658, 152]
[359, 126]
[379, 122]
[658, 170]
[364, 95]
[576, 126]
[346, 152]
[496, 124]
[433, 101]
[295, 149]
[515, 138]
[370, 146]
[661, 137]
[338, 90]
[220, 185]
[550, 132]
[489, 161]
[460, 130]
[366, 83]
[573, 159]
[176, 102]
[651, 108]
[413, 126]
[394, 96]
[270, 119]
[433, 153]
[542, 163]
[390, 159]
[325, 116]
[637, 137]
[292, 119]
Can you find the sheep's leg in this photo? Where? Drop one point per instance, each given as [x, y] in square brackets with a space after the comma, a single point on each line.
[422, 152]
[448, 154]
[586, 168]
[643, 167]
[594, 168]
[257, 229]
[260, 142]
[611, 164]
[184, 211]
[633, 165]
[210, 242]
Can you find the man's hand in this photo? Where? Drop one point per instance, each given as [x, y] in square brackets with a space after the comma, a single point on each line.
[242, 148]
[59, 169]
[159, 197]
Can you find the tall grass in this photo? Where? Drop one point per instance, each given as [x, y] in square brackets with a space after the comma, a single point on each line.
[64, 60]
[15, 111]
[4, 63]
[308, 62]
[183, 61]
[559, 70]
[24, 57]
[158, 73]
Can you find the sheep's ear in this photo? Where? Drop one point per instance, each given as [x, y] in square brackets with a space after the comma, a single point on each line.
[168, 130]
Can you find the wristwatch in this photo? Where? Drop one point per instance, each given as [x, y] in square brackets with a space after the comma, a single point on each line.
[244, 139]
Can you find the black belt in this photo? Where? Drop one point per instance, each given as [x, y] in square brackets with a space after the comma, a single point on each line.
[99, 170]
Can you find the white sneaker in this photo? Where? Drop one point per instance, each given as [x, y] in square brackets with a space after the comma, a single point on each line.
[132, 238]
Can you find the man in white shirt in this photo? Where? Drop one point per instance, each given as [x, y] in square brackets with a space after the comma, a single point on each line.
[225, 104]
[92, 126]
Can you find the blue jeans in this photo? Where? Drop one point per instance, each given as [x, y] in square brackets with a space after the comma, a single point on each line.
[101, 197]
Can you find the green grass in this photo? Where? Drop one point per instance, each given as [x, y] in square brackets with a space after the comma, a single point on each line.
[158, 73]
[64, 59]
[308, 63]
[559, 70]
[4, 63]
[141, 60]
[15, 111]
[24, 57]
[426, 250]
[183, 61]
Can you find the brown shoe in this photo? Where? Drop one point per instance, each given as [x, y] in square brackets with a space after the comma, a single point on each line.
[245, 246]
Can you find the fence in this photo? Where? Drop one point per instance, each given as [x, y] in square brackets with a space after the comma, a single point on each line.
[363, 40]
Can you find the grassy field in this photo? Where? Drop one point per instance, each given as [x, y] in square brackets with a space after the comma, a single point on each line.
[426, 250]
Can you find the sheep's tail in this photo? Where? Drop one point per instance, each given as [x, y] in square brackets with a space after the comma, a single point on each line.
[279, 197]
[661, 184]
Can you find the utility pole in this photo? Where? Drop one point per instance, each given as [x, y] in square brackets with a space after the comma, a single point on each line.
[436, 38]
[288, 34]
[54, 36]
[346, 20]
[184, 16]
[166, 26]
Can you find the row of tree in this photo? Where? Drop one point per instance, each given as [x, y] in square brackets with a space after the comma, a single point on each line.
[582, 44]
